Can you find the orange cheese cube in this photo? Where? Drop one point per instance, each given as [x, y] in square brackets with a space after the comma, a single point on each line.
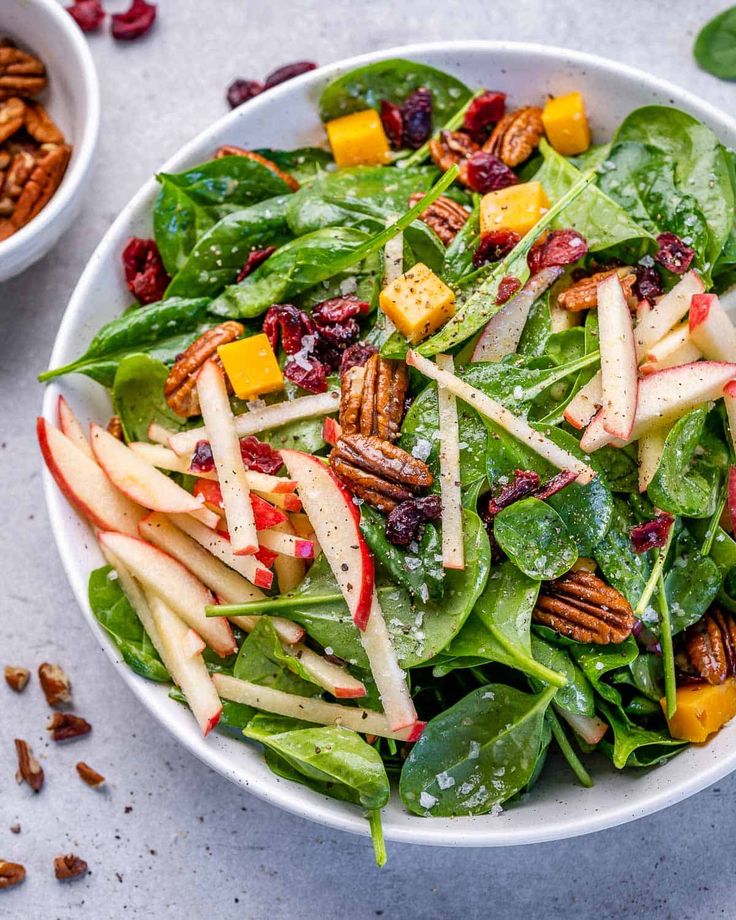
[358, 139]
[566, 124]
[251, 366]
[418, 303]
[702, 709]
[517, 207]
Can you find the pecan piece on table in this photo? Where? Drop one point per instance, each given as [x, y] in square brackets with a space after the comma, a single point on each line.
[29, 769]
[16, 677]
[445, 216]
[69, 866]
[180, 388]
[40, 125]
[89, 776]
[12, 115]
[711, 646]
[582, 607]
[64, 726]
[21, 74]
[583, 294]
[55, 684]
[229, 150]
[451, 148]
[11, 874]
[43, 181]
[516, 136]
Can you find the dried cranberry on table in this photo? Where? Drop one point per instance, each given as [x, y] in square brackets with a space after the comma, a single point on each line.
[255, 258]
[484, 111]
[494, 246]
[393, 123]
[288, 72]
[417, 118]
[88, 14]
[674, 254]
[356, 355]
[307, 372]
[405, 523]
[506, 289]
[291, 323]
[145, 274]
[241, 91]
[648, 284]
[135, 22]
[484, 172]
[561, 247]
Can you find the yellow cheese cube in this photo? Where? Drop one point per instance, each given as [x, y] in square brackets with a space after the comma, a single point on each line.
[358, 139]
[517, 207]
[251, 366]
[418, 303]
[566, 124]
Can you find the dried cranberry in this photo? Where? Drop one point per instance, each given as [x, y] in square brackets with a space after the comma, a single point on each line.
[338, 335]
[673, 254]
[524, 484]
[88, 14]
[293, 325]
[339, 309]
[241, 91]
[259, 456]
[356, 356]
[484, 172]
[255, 258]
[406, 522]
[288, 72]
[309, 373]
[417, 118]
[483, 111]
[202, 459]
[393, 123]
[506, 289]
[494, 246]
[561, 247]
[651, 534]
[556, 484]
[145, 274]
[135, 22]
[648, 285]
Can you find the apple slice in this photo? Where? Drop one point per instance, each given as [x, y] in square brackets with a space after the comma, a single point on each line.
[336, 525]
[258, 420]
[286, 543]
[289, 570]
[502, 333]
[619, 372]
[162, 575]
[193, 643]
[677, 347]
[331, 677]
[664, 397]
[218, 418]
[158, 434]
[585, 403]
[331, 431]
[516, 426]
[453, 554]
[560, 319]
[72, 429]
[654, 322]
[84, 484]
[309, 709]
[651, 448]
[287, 501]
[590, 728]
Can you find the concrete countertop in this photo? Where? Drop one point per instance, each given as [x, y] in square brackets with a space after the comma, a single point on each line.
[168, 837]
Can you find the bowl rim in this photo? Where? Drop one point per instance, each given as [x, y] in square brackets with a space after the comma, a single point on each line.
[290, 796]
[84, 147]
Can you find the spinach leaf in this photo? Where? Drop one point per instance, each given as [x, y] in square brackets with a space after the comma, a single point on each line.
[304, 163]
[218, 255]
[646, 674]
[476, 754]
[388, 189]
[192, 202]
[459, 254]
[138, 397]
[596, 661]
[161, 330]
[577, 694]
[538, 328]
[114, 612]
[715, 45]
[394, 80]
[723, 553]
[622, 568]
[262, 660]
[634, 746]
[692, 583]
[235, 716]
[535, 538]
[330, 759]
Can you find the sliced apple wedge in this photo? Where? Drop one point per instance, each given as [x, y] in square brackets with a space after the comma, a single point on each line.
[193, 643]
[677, 347]
[619, 372]
[331, 677]
[70, 426]
[590, 728]
[654, 322]
[651, 448]
[258, 420]
[218, 418]
[453, 553]
[286, 543]
[158, 434]
[160, 574]
[663, 398]
[287, 501]
[585, 403]
[331, 431]
[84, 484]
[365, 721]
[729, 398]
[515, 425]
[711, 328]
[289, 570]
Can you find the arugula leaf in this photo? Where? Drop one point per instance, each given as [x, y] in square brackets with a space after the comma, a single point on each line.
[534, 536]
[138, 397]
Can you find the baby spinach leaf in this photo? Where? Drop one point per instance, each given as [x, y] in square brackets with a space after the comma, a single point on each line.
[691, 584]
[378, 186]
[535, 538]
[161, 330]
[394, 80]
[114, 612]
[646, 674]
[634, 746]
[138, 397]
[538, 328]
[622, 568]
[459, 254]
[262, 660]
[305, 164]
[577, 694]
[596, 661]
[715, 45]
[192, 202]
[476, 754]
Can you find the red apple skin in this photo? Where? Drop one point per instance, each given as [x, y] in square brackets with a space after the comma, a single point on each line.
[700, 307]
[331, 431]
[213, 722]
[732, 493]
[416, 732]
[730, 388]
[345, 693]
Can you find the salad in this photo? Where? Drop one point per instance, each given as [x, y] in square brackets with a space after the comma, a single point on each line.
[422, 460]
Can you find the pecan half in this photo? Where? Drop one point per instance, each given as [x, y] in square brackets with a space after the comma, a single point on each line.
[64, 726]
[377, 471]
[450, 148]
[21, 74]
[12, 114]
[19, 172]
[180, 388]
[29, 769]
[69, 866]
[711, 646]
[583, 294]
[516, 136]
[55, 684]
[445, 216]
[228, 150]
[351, 394]
[42, 183]
[16, 678]
[582, 607]
[90, 776]
[41, 126]
[374, 400]
[11, 874]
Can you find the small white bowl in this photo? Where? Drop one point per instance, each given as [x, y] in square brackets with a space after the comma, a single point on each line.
[44, 28]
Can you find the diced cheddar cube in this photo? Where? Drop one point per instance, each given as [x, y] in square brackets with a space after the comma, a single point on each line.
[702, 709]
[358, 139]
[418, 303]
[566, 124]
[517, 207]
[251, 366]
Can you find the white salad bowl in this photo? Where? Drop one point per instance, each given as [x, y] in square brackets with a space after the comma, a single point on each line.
[287, 117]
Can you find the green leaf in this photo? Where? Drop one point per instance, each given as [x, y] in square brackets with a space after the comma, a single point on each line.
[114, 612]
[634, 746]
[692, 583]
[305, 164]
[596, 661]
[679, 485]
[262, 660]
[622, 568]
[715, 45]
[535, 538]
[476, 754]
[138, 397]
[577, 694]
[376, 187]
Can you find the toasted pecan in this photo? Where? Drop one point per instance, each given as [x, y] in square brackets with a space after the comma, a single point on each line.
[21, 73]
[12, 114]
[115, 427]
[444, 216]
[372, 398]
[180, 388]
[16, 677]
[29, 769]
[40, 125]
[89, 776]
[583, 294]
[516, 136]
[229, 150]
[64, 726]
[582, 607]
[43, 181]
[451, 148]
[11, 874]
[711, 646]
[69, 866]
[55, 684]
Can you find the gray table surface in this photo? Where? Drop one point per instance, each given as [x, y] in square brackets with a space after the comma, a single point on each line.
[168, 837]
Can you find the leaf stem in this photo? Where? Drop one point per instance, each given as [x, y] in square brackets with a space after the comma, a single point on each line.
[379, 846]
[710, 533]
[558, 732]
[452, 123]
[653, 580]
[668, 655]
[269, 604]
